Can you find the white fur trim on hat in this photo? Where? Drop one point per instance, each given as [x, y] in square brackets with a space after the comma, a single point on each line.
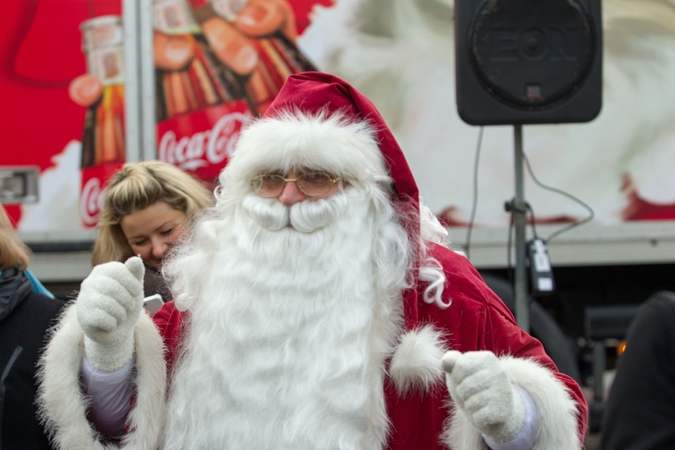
[416, 364]
[63, 405]
[331, 143]
[556, 410]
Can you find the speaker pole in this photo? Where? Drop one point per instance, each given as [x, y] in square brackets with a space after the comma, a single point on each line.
[520, 214]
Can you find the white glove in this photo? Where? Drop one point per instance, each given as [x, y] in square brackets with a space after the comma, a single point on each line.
[108, 306]
[482, 390]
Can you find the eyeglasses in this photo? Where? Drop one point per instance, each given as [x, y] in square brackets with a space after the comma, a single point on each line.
[309, 183]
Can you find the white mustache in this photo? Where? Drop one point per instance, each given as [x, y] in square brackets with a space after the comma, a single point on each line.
[268, 212]
[306, 216]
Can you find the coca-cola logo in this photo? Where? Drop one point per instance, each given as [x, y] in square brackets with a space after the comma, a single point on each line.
[91, 201]
[209, 147]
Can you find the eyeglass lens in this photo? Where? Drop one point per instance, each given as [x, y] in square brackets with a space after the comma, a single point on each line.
[310, 183]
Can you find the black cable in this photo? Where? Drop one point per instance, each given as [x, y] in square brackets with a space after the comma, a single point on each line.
[561, 192]
[474, 203]
[509, 242]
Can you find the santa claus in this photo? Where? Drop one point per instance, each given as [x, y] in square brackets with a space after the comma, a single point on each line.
[315, 308]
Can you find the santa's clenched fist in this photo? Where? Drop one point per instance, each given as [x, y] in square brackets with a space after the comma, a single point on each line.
[108, 306]
[482, 390]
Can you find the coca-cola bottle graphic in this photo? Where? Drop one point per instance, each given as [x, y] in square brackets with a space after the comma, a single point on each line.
[205, 81]
[278, 57]
[103, 134]
[201, 107]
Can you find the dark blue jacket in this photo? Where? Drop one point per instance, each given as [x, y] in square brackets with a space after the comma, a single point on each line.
[25, 318]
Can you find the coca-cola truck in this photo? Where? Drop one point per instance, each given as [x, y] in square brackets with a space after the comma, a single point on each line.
[62, 144]
[600, 195]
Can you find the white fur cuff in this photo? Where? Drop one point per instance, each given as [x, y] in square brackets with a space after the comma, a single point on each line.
[557, 411]
[63, 406]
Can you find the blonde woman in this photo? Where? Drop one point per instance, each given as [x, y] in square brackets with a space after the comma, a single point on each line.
[27, 311]
[146, 209]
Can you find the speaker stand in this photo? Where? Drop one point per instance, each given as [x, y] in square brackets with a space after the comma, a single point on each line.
[519, 212]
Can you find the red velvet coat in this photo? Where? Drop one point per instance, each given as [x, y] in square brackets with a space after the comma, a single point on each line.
[476, 320]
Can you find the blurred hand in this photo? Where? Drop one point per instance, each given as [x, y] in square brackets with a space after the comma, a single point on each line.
[263, 17]
[258, 18]
[85, 90]
[230, 46]
[171, 52]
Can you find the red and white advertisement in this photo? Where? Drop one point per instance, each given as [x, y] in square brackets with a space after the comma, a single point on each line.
[399, 53]
[63, 80]
[201, 143]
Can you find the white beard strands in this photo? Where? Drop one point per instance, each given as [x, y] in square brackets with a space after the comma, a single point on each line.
[288, 340]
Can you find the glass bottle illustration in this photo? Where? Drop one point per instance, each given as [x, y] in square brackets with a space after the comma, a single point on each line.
[278, 57]
[103, 135]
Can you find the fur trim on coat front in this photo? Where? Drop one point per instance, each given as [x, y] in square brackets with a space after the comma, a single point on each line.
[415, 365]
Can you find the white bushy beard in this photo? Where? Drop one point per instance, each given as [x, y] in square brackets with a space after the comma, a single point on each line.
[288, 339]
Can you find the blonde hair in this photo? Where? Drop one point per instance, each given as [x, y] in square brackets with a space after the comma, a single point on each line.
[12, 251]
[135, 187]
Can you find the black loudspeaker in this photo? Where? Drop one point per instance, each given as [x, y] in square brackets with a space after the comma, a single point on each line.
[528, 61]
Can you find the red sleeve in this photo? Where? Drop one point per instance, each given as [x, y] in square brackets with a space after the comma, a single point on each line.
[479, 320]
